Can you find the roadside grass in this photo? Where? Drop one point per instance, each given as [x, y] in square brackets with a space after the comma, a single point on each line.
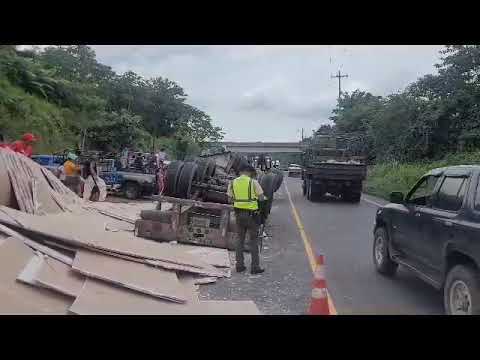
[384, 178]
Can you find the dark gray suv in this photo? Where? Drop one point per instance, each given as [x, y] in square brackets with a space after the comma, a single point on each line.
[435, 231]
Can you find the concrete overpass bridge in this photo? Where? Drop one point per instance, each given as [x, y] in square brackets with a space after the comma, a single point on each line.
[263, 147]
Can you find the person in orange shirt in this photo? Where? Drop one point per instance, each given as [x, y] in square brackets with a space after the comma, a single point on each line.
[70, 174]
[70, 167]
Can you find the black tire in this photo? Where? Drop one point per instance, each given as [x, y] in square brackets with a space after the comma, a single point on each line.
[211, 167]
[267, 185]
[352, 197]
[278, 179]
[465, 276]
[383, 263]
[235, 163]
[173, 174]
[202, 171]
[132, 190]
[184, 186]
[355, 198]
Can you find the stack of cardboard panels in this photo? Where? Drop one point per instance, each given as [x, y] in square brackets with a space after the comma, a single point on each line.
[113, 274]
[59, 255]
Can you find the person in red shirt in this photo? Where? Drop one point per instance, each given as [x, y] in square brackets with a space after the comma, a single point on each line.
[25, 145]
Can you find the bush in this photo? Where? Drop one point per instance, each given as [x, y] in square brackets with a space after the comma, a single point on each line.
[382, 179]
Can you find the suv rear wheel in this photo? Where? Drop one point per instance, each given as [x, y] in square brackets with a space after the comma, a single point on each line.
[461, 294]
[381, 258]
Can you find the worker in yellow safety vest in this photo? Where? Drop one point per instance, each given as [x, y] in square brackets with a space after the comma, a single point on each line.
[245, 192]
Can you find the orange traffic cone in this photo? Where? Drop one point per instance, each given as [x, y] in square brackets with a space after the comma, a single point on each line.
[319, 304]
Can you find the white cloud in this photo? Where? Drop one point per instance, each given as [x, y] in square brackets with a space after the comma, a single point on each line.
[271, 92]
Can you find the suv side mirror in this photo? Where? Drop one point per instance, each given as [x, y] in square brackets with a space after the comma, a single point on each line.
[396, 197]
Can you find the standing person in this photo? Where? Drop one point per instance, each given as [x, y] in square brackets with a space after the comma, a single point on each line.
[161, 156]
[25, 145]
[246, 192]
[124, 158]
[70, 174]
[95, 188]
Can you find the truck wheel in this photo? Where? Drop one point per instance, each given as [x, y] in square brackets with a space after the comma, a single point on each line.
[132, 190]
[381, 257]
[184, 187]
[173, 173]
[461, 293]
[267, 185]
[202, 172]
[211, 167]
[355, 198]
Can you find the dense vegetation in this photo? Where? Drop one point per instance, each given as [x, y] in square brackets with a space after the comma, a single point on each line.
[434, 122]
[71, 100]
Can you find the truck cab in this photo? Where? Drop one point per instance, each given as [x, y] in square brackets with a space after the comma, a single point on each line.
[435, 231]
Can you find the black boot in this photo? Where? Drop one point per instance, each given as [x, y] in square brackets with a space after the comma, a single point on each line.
[257, 270]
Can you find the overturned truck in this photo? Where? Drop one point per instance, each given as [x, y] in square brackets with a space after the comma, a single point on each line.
[200, 212]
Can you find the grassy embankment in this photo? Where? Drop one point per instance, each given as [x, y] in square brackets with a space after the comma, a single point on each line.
[384, 178]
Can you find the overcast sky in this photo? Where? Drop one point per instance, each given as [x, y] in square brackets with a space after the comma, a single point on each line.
[268, 93]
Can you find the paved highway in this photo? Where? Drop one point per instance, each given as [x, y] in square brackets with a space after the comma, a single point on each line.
[343, 232]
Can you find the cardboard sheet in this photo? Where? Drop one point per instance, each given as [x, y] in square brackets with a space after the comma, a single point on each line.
[213, 256]
[100, 298]
[132, 275]
[19, 298]
[57, 276]
[86, 230]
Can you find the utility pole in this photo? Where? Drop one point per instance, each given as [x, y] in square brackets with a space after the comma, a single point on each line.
[339, 76]
[302, 135]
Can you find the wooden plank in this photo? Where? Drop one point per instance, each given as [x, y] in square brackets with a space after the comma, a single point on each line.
[100, 298]
[135, 276]
[18, 298]
[57, 276]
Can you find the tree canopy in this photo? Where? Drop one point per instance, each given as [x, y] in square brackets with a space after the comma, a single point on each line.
[435, 115]
[66, 95]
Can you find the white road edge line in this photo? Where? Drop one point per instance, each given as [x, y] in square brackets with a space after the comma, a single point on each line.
[372, 202]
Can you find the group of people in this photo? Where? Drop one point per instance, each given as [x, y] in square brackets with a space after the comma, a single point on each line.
[83, 179]
[142, 161]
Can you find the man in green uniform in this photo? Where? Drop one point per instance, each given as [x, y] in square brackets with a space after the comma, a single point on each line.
[245, 193]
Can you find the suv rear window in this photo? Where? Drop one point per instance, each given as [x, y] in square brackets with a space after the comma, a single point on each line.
[451, 193]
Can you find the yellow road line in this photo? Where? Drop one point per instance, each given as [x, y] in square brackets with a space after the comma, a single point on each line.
[308, 245]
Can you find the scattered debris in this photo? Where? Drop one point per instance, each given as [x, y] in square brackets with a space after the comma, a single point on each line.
[60, 254]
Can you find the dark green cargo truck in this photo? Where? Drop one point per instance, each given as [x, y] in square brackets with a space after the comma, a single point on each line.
[331, 167]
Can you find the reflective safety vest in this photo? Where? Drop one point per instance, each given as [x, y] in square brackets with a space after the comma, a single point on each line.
[244, 196]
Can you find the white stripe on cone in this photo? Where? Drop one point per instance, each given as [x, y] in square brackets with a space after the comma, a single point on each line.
[319, 293]
[319, 273]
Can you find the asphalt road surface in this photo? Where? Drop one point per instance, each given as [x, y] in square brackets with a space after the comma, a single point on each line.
[343, 233]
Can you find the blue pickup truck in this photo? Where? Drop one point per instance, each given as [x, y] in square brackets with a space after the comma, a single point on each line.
[132, 184]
